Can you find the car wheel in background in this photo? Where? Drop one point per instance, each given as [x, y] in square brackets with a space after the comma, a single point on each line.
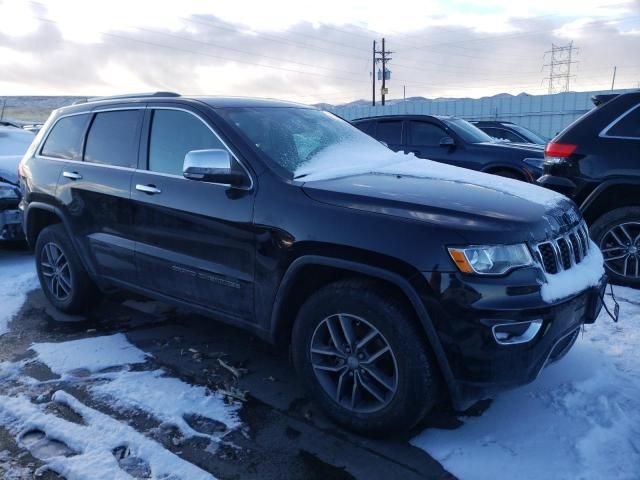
[362, 358]
[62, 276]
[617, 233]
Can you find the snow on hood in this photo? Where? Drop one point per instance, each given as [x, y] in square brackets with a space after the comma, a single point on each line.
[356, 158]
[14, 141]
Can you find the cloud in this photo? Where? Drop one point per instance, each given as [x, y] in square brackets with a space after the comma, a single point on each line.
[304, 59]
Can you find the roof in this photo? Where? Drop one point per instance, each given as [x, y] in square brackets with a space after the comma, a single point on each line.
[404, 116]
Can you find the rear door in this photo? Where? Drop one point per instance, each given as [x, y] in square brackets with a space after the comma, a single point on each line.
[195, 240]
[96, 191]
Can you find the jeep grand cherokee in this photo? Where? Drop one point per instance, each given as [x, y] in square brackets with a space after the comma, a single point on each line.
[392, 279]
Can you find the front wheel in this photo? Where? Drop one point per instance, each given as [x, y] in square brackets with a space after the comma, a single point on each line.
[62, 276]
[617, 233]
[362, 359]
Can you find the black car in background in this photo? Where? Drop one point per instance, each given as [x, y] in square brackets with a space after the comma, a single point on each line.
[509, 131]
[596, 162]
[454, 141]
[392, 283]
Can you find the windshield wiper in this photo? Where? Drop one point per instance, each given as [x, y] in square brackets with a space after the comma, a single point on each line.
[300, 176]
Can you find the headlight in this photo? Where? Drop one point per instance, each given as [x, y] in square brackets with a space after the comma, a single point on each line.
[8, 192]
[490, 260]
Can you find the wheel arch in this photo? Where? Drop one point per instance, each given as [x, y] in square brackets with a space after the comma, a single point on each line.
[495, 168]
[38, 216]
[291, 296]
[609, 195]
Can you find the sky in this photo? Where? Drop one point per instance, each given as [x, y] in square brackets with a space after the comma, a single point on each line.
[311, 51]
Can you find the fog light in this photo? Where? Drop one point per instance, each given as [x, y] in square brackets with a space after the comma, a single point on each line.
[514, 333]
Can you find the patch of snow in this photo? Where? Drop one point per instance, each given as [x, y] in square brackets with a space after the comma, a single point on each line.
[93, 442]
[579, 419]
[92, 354]
[585, 274]
[355, 158]
[17, 278]
[168, 399]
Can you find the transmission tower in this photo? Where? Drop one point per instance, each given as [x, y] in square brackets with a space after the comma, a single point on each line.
[561, 60]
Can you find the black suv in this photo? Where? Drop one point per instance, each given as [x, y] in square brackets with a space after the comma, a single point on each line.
[509, 131]
[391, 281]
[454, 141]
[593, 161]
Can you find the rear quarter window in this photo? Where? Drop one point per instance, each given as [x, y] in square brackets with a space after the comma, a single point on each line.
[628, 126]
[65, 139]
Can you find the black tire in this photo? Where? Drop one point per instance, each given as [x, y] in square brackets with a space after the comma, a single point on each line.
[629, 218]
[82, 291]
[416, 373]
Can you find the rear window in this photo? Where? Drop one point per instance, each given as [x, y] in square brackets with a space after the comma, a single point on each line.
[628, 126]
[65, 139]
[113, 138]
[389, 132]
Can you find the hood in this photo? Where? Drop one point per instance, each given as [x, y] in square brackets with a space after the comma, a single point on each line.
[526, 149]
[483, 208]
[9, 168]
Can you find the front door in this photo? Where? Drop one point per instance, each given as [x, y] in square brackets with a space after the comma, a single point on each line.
[195, 240]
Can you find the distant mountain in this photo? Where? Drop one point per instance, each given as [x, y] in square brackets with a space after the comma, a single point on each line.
[34, 109]
[394, 101]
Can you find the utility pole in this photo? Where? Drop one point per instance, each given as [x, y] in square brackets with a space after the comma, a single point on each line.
[613, 80]
[373, 76]
[383, 58]
[559, 65]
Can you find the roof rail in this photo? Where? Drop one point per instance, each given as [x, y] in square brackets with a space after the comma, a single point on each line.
[126, 96]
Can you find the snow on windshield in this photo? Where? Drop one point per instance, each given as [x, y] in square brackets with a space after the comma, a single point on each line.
[355, 158]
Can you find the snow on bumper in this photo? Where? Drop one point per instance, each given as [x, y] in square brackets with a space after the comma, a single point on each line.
[586, 274]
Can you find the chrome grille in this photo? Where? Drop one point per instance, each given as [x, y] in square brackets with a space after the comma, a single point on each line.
[564, 252]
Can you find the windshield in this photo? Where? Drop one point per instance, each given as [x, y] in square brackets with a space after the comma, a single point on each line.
[468, 132]
[529, 134]
[291, 137]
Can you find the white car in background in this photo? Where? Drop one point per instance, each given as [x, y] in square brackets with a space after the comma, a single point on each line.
[14, 142]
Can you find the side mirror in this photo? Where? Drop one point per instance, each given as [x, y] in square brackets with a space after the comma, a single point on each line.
[211, 166]
[447, 142]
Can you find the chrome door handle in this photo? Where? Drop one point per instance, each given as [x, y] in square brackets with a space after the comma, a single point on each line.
[150, 189]
[72, 175]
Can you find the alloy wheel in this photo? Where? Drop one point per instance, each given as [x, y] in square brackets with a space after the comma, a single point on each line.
[354, 363]
[56, 271]
[620, 247]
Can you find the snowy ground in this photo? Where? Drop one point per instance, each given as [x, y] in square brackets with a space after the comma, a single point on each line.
[579, 420]
[132, 406]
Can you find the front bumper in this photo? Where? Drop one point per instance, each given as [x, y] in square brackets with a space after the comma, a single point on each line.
[464, 312]
[11, 225]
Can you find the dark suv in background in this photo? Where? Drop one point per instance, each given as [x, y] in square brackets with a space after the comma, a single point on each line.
[596, 162]
[392, 282]
[454, 141]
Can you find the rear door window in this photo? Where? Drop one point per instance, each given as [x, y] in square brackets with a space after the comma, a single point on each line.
[628, 126]
[425, 134]
[114, 138]
[174, 133]
[390, 132]
[65, 139]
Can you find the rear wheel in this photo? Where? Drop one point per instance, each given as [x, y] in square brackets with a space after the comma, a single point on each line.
[617, 233]
[62, 277]
[362, 359]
